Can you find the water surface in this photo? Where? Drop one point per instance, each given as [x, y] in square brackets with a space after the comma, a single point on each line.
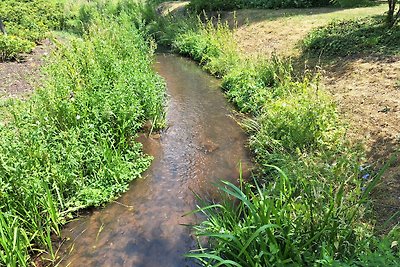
[201, 145]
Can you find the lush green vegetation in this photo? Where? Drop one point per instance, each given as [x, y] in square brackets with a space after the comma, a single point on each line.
[26, 23]
[210, 5]
[312, 209]
[349, 37]
[71, 145]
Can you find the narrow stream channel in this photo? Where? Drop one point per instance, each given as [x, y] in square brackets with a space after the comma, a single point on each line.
[201, 146]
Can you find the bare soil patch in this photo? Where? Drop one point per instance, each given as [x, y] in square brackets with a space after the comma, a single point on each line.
[368, 96]
[19, 78]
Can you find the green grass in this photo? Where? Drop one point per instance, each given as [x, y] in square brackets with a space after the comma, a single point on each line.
[212, 5]
[350, 37]
[291, 222]
[207, 45]
[71, 145]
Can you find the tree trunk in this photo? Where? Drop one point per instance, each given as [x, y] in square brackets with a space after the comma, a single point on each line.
[393, 16]
[2, 27]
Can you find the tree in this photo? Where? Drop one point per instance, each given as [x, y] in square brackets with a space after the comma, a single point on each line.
[2, 27]
[394, 13]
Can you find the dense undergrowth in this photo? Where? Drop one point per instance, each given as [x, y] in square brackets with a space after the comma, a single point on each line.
[27, 23]
[313, 208]
[71, 144]
[350, 37]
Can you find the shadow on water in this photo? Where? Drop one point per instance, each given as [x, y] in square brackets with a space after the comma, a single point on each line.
[201, 146]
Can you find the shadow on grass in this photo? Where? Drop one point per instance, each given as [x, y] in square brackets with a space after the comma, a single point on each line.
[368, 36]
[250, 16]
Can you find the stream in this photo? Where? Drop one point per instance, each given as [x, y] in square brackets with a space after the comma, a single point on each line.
[201, 145]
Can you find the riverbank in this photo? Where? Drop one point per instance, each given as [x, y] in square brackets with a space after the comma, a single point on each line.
[296, 126]
[70, 144]
[363, 85]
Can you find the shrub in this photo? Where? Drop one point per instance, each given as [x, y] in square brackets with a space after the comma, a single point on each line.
[210, 5]
[11, 47]
[252, 85]
[305, 121]
[352, 3]
[29, 22]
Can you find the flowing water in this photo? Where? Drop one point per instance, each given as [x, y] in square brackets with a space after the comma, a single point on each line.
[201, 146]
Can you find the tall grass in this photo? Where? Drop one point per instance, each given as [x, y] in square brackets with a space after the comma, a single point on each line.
[312, 209]
[71, 145]
[206, 43]
[290, 222]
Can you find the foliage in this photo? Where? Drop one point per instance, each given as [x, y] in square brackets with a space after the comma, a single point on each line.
[359, 36]
[72, 144]
[209, 46]
[27, 22]
[298, 221]
[211, 5]
[11, 47]
[252, 85]
[306, 121]
[78, 16]
[352, 3]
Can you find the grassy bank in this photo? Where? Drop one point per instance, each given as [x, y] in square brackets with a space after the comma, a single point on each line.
[71, 145]
[312, 209]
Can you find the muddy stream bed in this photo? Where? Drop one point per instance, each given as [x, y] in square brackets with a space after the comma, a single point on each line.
[201, 145]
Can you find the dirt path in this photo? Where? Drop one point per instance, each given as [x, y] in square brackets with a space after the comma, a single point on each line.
[18, 79]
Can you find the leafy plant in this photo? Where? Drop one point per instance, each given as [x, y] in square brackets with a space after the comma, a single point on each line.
[212, 5]
[11, 47]
[27, 23]
[210, 43]
[289, 221]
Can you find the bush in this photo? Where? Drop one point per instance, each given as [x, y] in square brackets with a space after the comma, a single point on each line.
[78, 17]
[29, 22]
[210, 5]
[352, 3]
[252, 85]
[306, 121]
[11, 47]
